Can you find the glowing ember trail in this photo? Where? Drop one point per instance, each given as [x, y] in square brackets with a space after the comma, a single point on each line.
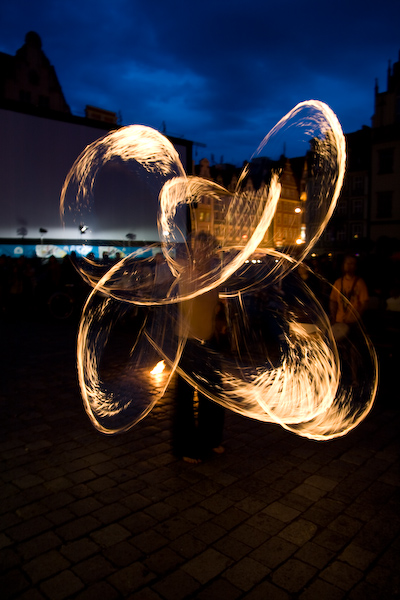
[282, 364]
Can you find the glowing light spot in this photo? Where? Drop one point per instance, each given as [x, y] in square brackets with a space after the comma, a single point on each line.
[159, 368]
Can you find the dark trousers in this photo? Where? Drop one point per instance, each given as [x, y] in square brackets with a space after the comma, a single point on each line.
[193, 437]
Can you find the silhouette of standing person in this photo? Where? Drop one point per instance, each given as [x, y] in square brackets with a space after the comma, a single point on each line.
[195, 438]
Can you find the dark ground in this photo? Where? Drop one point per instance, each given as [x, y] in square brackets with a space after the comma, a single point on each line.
[83, 515]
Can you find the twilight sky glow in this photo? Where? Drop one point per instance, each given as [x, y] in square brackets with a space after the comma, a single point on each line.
[218, 73]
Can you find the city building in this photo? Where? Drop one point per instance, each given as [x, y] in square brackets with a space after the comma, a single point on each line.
[40, 141]
[385, 160]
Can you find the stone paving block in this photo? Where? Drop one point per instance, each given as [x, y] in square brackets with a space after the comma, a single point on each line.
[62, 586]
[9, 559]
[111, 512]
[78, 528]
[387, 581]
[309, 491]
[282, 512]
[358, 557]
[342, 575]
[234, 493]
[345, 525]
[32, 594]
[246, 573]
[38, 545]
[110, 535]
[315, 555]
[122, 554]
[188, 546]
[135, 501]
[4, 541]
[378, 493]
[318, 516]
[293, 575]
[208, 532]
[365, 591]
[283, 485]
[176, 586]
[163, 560]
[99, 591]
[322, 589]
[218, 590]
[147, 594]
[376, 534]
[45, 566]
[267, 591]
[13, 583]
[264, 522]
[58, 500]
[28, 481]
[295, 501]
[197, 515]
[251, 505]
[273, 552]
[79, 549]
[60, 516]
[230, 518]
[232, 547]
[161, 511]
[93, 569]
[81, 490]
[184, 499]
[299, 532]
[32, 510]
[207, 565]
[101, 483]
[251, 536]
[7, 490]
[84, 506]
[331, 540]
[29, 529]
[138, 522]
[149, 541]
[217, 503]
[322, 483]
[174, 527]
[350, 488]
[81, 476]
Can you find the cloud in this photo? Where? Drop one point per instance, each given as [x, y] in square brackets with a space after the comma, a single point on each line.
[218, 73]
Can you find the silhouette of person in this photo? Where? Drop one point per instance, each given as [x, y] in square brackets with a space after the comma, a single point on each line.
[194, 437]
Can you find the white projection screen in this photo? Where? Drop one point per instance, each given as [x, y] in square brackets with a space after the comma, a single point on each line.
[36, 154]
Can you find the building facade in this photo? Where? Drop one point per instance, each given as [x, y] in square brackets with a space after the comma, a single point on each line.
[41, 139]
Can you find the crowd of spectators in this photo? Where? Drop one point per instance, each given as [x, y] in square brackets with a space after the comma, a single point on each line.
[28, 284]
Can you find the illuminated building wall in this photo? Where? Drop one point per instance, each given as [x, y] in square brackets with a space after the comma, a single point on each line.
[288, 227]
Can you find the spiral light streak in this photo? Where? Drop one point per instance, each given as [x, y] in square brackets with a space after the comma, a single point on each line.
[282, 365]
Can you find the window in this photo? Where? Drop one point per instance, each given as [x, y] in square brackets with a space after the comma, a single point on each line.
[384, 205]
[358, 206]
[357, 230]
[358, 186]
[386, 159]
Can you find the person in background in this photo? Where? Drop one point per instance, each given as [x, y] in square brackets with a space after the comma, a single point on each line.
[348, 298]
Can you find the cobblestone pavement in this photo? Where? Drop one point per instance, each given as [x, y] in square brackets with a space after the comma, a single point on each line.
[83, 515]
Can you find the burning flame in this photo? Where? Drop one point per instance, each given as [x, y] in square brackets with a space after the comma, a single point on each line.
[159, 368]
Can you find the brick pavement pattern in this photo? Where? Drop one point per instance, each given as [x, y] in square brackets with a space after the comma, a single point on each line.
[88, 516]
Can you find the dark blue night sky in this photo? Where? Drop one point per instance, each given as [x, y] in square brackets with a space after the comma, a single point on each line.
[219, 73]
